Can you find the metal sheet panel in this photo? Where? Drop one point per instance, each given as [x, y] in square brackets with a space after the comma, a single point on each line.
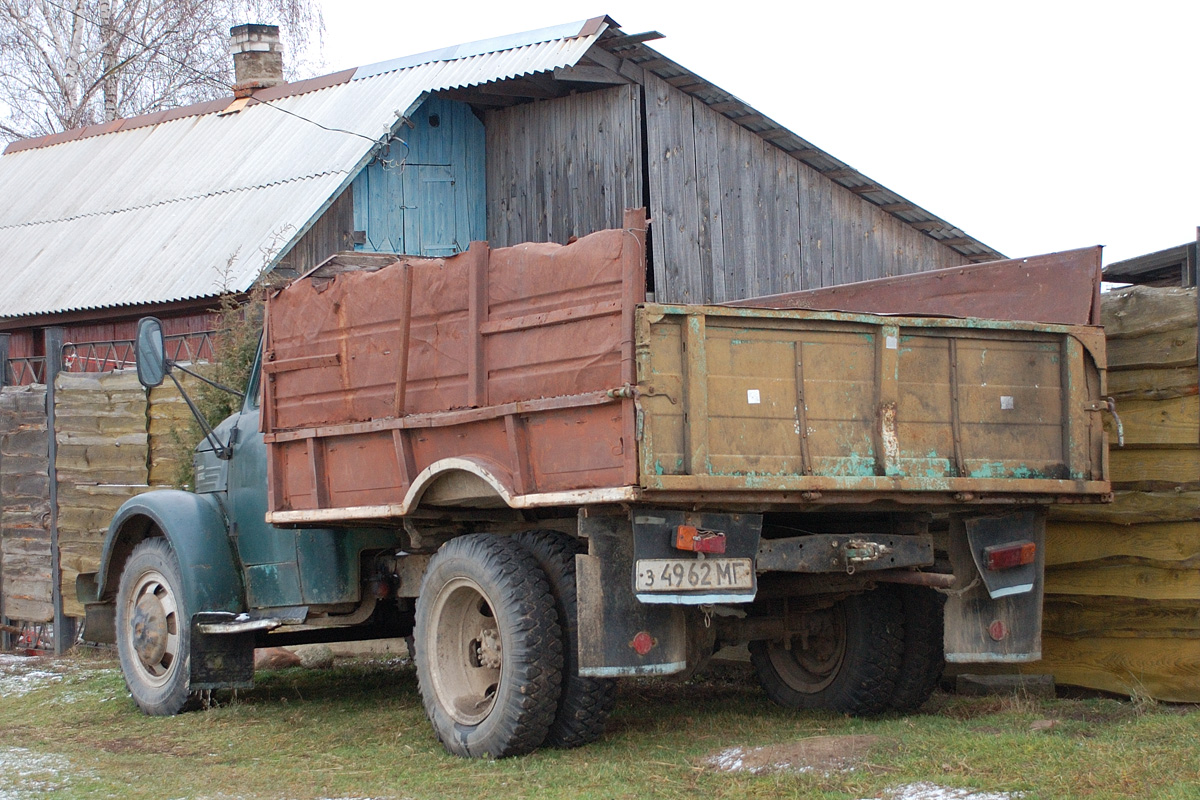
[186, 208]
[501, 357]
[1058, 288]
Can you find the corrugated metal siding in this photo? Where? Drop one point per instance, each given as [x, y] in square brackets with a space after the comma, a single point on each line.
[187, 208]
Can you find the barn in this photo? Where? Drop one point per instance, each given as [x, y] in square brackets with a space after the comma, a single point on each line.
[538, 136]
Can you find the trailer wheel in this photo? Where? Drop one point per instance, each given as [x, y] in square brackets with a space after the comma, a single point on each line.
[847, 661]
[153, 630]
[585, 703]
[924, 656]
[488, 648]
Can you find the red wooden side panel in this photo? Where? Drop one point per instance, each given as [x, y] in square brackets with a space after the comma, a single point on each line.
[510, 357]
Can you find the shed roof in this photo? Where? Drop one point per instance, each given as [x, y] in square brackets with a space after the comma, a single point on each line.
[187, 203]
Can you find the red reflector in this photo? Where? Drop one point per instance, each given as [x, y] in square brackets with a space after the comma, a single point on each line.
[1007, 556]
[688, 537]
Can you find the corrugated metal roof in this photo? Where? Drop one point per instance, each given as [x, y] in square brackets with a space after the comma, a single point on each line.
[185, 208]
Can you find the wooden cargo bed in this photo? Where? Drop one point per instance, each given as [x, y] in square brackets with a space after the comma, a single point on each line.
[535, 376]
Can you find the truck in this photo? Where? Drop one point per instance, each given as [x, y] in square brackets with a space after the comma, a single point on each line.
[548, 482]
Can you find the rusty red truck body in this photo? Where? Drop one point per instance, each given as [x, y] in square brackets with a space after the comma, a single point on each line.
[549, 482]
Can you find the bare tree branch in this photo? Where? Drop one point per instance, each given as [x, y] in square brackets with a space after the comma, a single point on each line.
[161, 54]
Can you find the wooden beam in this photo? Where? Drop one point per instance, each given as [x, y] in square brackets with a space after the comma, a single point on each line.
[588, 74]
[871, 187]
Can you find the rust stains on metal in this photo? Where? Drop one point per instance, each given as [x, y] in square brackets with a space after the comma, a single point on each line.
[1060, 288]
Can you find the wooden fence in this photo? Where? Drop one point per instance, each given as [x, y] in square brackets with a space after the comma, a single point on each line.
[114, 440]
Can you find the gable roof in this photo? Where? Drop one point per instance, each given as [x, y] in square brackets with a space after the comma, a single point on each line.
[188, 203]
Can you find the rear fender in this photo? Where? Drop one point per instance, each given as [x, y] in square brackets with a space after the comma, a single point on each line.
[195, 526]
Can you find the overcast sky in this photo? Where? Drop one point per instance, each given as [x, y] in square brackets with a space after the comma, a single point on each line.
[1032, 126]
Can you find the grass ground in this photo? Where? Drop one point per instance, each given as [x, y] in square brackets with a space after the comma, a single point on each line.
[69, 729]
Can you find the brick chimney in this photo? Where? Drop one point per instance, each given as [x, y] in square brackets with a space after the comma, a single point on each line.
[257, 58]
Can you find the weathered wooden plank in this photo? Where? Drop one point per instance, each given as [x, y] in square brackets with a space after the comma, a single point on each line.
[25, 557]
[1167, 544]
[1168, 348]
[674, 202]
[1152, 384]
[1122, 580]
[1142, 310]
[1175, 421]
[560, 168]
[1153, 470]
[1131, 507]
[1082, 616]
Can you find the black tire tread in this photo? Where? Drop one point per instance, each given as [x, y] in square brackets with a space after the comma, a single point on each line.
[158, 553]
[526, 709]
[585, 703]
[874, 649]
[924, 657]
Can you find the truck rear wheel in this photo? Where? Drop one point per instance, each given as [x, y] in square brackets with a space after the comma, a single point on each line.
[153, 630]
[488, 648]
[847, 661]
[585, 703]
[924, 656]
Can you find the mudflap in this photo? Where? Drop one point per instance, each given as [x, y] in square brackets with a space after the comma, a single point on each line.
[221, 661]
[995, 618]
[618, 635]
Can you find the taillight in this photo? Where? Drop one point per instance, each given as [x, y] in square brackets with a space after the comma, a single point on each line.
[688, 537]
[1007, 556]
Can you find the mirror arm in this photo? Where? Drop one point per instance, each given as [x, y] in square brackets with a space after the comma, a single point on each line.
[198, 376]
[224, 452]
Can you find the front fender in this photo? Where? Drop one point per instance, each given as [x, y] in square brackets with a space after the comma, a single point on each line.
[196, 528]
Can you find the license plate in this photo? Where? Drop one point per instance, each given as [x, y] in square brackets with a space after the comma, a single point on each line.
[689, 574]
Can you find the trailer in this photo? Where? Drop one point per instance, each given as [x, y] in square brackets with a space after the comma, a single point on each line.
[549, 482]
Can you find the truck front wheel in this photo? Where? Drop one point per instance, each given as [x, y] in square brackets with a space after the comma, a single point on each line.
[847, 659]
[488, 648]
[153, 633]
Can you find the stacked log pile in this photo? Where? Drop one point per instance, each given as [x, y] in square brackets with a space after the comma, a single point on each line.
[169, 427]
[1122, 610]
[103, 453]
[25, 577]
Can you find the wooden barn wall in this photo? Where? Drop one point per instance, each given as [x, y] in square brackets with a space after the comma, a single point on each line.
[563, 167]
[737, 217]
[25, 578]
[100, 427]
[426, 198]
[332, 232]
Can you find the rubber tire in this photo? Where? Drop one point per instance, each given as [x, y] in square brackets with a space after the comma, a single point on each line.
[865, 680]
[526, 693]
[585, 703]
[155, 695]
[924, 655]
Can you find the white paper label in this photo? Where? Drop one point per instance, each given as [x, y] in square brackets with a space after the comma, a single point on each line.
[1006, 403]
[891, 343]
[752, 397]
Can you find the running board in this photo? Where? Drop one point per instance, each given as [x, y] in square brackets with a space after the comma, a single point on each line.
[225, 622]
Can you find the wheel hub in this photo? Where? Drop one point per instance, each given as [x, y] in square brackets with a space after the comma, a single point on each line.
[489, 648]
[150, 631]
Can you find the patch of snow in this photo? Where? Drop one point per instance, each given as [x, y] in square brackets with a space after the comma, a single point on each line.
[25, 774]
[931, 791]
[14, 683]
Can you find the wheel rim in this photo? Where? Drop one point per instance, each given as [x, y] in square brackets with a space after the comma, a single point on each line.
[468, 649]
[810, 661]
[153, 629]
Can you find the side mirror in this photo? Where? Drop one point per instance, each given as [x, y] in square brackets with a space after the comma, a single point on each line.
[151, 352]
